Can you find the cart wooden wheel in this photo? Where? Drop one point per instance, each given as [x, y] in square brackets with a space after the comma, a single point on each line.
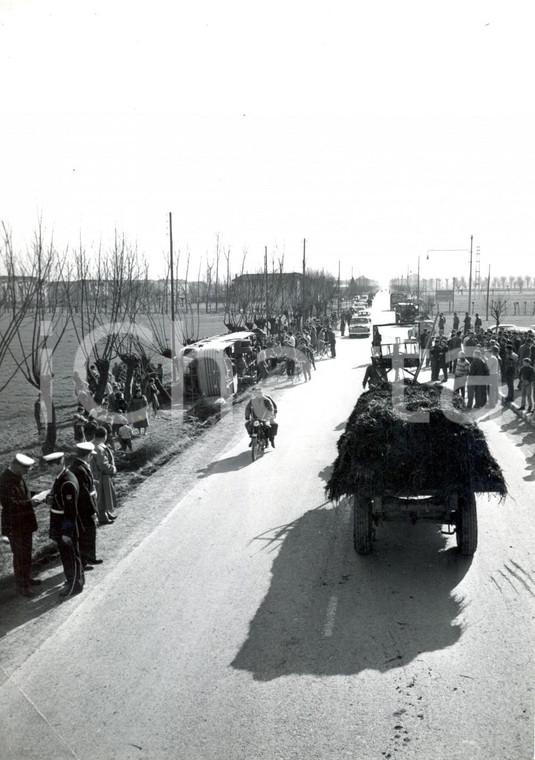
[362, 525]
[467, 524]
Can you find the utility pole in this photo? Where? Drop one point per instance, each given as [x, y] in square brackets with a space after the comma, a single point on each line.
[303, 284]
[470, 278]
[488, 293]
[418, 284]
[338, 288]
[172, 275]
[266, 281]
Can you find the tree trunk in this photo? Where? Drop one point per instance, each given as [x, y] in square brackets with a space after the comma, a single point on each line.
[131, 363]
[49, 444]
[103, 368]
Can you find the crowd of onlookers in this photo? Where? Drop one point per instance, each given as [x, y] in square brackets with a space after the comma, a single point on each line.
[121, 418]
[481, 359]
[292, 350]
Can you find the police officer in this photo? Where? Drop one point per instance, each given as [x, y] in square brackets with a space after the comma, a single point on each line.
[18, 520]
[64, 529]
[87, 504]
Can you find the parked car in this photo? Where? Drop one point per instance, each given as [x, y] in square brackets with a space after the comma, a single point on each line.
[360, 327]
[504, 326]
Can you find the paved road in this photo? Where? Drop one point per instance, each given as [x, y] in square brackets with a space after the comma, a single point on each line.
[244, 626]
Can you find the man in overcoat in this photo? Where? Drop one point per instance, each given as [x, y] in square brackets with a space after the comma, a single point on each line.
[18, 520]
[64, 528]
[87, 503]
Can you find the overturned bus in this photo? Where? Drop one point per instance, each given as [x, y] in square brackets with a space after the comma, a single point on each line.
[210, 367]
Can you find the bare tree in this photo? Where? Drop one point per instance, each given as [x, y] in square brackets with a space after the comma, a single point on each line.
[217, 257]
[236, 296]
[110, 292]
[18, 288]
[48, 324]
[497, 308]
[320, 289]
[209, 268]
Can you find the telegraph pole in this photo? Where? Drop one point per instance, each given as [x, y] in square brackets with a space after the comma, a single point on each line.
[303, 285]
[488, 293]
[266, 281]
[338, 288]
[172, 274]
[470, 278]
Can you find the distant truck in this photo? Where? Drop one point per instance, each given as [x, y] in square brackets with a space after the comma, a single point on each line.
[397, 297]
[406, 313]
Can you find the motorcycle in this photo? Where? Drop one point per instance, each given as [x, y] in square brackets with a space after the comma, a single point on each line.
[259, 438]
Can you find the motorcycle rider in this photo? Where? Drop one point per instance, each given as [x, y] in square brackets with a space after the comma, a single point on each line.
[261, 407]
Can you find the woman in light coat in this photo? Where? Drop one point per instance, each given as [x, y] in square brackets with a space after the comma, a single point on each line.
[104, 471]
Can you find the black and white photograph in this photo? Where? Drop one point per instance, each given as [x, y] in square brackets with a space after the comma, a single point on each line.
[267, 378]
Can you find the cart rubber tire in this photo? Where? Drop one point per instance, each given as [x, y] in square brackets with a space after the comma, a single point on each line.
[467, 524]
[362, 525]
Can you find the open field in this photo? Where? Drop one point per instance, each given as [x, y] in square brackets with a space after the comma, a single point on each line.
[523, 314]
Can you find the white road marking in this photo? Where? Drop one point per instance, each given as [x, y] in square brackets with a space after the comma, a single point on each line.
[328, 628]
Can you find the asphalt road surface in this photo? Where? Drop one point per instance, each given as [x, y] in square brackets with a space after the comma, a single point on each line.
[244, 626]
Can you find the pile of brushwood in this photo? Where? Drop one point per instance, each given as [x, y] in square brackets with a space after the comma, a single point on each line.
[384, 449]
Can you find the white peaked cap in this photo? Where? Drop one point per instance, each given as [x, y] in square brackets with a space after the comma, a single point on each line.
[85, 447]
[56, 456]
[24, 460]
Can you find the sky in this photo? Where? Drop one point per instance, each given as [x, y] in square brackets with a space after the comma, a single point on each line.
[374, 131]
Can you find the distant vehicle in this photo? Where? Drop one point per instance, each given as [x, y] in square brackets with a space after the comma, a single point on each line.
[417, 329]
[406, 313]
[397, 297]
[360, 327]
[504, 326]
[209, 365]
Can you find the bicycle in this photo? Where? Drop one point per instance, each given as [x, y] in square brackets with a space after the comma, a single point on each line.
[322, 349]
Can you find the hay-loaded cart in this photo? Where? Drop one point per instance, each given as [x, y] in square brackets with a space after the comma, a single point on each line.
[411, 454]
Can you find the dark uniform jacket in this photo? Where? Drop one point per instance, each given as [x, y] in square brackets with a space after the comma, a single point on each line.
[64, 506]
[87, 503]
[17, 509]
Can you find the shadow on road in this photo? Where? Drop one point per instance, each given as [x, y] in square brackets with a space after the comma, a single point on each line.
[17, 610]
[330, 611]
[230, 464]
